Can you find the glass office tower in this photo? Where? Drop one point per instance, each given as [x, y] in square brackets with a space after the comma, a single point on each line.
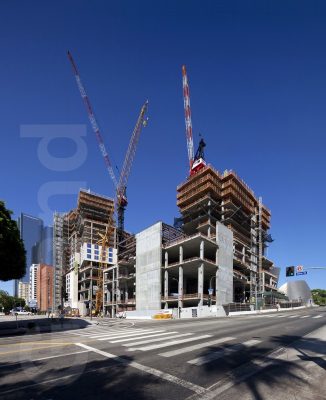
[38, 242]
[31, 233]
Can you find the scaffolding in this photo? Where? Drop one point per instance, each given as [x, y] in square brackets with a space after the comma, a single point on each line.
[209, 196]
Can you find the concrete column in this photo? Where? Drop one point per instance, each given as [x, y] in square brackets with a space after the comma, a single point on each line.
[201, 284]
[216, 286]
[180, 288]
[216, 257]
[180, 254]
[126, 292]
[166, 283]
[201, 249]
[243, 254]
[166, 259]
[118, 285]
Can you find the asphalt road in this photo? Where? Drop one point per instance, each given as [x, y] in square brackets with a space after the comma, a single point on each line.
[279, 355]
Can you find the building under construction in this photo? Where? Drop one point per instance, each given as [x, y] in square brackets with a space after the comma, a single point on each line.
[79, 253]
[216, 252]
[214, 255]
[207, 197]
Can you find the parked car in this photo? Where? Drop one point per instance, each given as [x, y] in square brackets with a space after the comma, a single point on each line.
[20, 312]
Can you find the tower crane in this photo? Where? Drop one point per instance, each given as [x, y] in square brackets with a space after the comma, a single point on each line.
[121, 185]
[196, 162]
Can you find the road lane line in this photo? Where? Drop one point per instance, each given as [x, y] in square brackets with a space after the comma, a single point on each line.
[195, 347]
[129, 335]
[178, 335]
[148, 336]
[317, 316]
[305, 316]
[221, 353]
[60, 355]
[36, 348]
[293, 316]
[152, 371]
[166, 344]
[39, 359]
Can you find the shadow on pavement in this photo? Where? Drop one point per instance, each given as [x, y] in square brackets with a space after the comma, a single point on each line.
[255, 368]
[40, 325]
[93, 379]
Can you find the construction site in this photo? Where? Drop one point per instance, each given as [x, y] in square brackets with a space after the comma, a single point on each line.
[215, 254]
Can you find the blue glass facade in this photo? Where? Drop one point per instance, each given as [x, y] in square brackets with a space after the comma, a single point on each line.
[38, 242]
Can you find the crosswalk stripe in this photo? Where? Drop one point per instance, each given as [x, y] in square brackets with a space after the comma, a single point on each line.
[269, 316]
[102, 331]
[129, 335]
[317, 316]
[160, 339]
[195, 347]
[293, 316]
[166, 344]
[282, 316]
[305, 316]
[90, 333]
[118, 334]
[221, 353]
[148, 336]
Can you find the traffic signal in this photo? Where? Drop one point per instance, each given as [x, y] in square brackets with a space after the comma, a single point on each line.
[290, 271]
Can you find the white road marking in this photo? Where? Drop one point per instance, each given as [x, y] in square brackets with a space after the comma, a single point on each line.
[109, 337]
[119, 334]
[170, 378]
[282, 316]
[87, 333]
[166, 344]
[148, 336]
[178, 335]
[317, 316]
[100, 332]
[221, 353]
[195, 347]
[60, 355]
[43, 358]
[305, 316]
[293, 316]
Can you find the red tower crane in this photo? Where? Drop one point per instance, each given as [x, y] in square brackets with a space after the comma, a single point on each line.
[196, 162]
[120, 187]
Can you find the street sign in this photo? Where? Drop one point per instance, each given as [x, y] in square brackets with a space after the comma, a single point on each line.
[210, 291]
[299, 268]
[301, 273]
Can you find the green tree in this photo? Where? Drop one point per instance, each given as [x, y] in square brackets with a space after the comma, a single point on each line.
[8, 302]
[319, 296]
[12, 251]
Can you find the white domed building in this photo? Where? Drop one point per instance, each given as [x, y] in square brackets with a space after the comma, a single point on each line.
[297, 290]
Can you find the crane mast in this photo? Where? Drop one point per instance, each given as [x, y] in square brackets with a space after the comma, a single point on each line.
[93, 121]
[122, 185]
[196, 162]
[187, 109]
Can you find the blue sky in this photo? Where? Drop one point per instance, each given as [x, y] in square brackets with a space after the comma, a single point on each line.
[257, 74]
